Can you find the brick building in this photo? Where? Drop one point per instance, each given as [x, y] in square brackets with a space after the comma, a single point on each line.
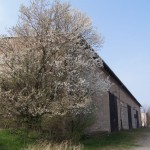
[117, 109]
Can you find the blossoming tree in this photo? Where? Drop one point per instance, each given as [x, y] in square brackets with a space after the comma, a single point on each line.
[47, 64]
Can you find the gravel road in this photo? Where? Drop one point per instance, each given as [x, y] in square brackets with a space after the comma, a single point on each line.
[143, 142]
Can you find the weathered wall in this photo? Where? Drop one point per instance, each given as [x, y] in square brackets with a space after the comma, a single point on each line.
[123, 99]
[102, 116]
[102, 122]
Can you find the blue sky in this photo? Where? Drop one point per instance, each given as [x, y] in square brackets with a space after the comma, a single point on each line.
[125, 25]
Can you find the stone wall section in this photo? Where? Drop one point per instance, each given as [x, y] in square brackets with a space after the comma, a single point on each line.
[102, 122]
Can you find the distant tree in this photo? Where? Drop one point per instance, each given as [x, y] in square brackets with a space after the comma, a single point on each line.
[47, 63]
[144, 109]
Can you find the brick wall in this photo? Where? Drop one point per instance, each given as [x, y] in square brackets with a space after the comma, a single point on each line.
[102, 122]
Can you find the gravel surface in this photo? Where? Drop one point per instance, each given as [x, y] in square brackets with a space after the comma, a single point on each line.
[143, 142]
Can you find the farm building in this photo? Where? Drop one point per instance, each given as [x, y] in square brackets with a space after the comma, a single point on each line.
[118, 109]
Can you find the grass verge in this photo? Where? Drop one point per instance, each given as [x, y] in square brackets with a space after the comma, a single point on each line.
[16, 140]
[123, 139]
[115, 141]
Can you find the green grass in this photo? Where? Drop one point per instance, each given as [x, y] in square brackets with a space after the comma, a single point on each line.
[120, 140]
[10, 140]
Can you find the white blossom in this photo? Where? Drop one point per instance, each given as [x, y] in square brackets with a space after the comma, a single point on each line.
[49, 65]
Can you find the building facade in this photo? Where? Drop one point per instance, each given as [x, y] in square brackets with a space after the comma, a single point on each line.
[117, 109]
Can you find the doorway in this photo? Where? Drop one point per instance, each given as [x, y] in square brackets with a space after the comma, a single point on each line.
[113, 112]
[129, 117]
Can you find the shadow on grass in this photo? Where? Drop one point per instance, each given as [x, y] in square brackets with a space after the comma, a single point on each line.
[117, 140]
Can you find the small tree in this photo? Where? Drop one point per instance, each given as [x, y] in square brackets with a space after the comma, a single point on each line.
[47, 65]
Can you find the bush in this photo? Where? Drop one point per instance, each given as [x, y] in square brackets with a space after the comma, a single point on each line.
[67, 127]
[76, 126]
[7, 122]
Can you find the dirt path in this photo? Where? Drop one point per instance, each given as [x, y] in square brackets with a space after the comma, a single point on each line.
[143, 141]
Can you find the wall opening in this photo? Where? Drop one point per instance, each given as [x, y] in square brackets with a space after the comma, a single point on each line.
[137, 117]
[129, 117]
[113, 112]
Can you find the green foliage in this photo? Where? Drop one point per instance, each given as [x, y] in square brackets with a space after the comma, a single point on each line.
[66, 127]
[76, 126]
[54, 126]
